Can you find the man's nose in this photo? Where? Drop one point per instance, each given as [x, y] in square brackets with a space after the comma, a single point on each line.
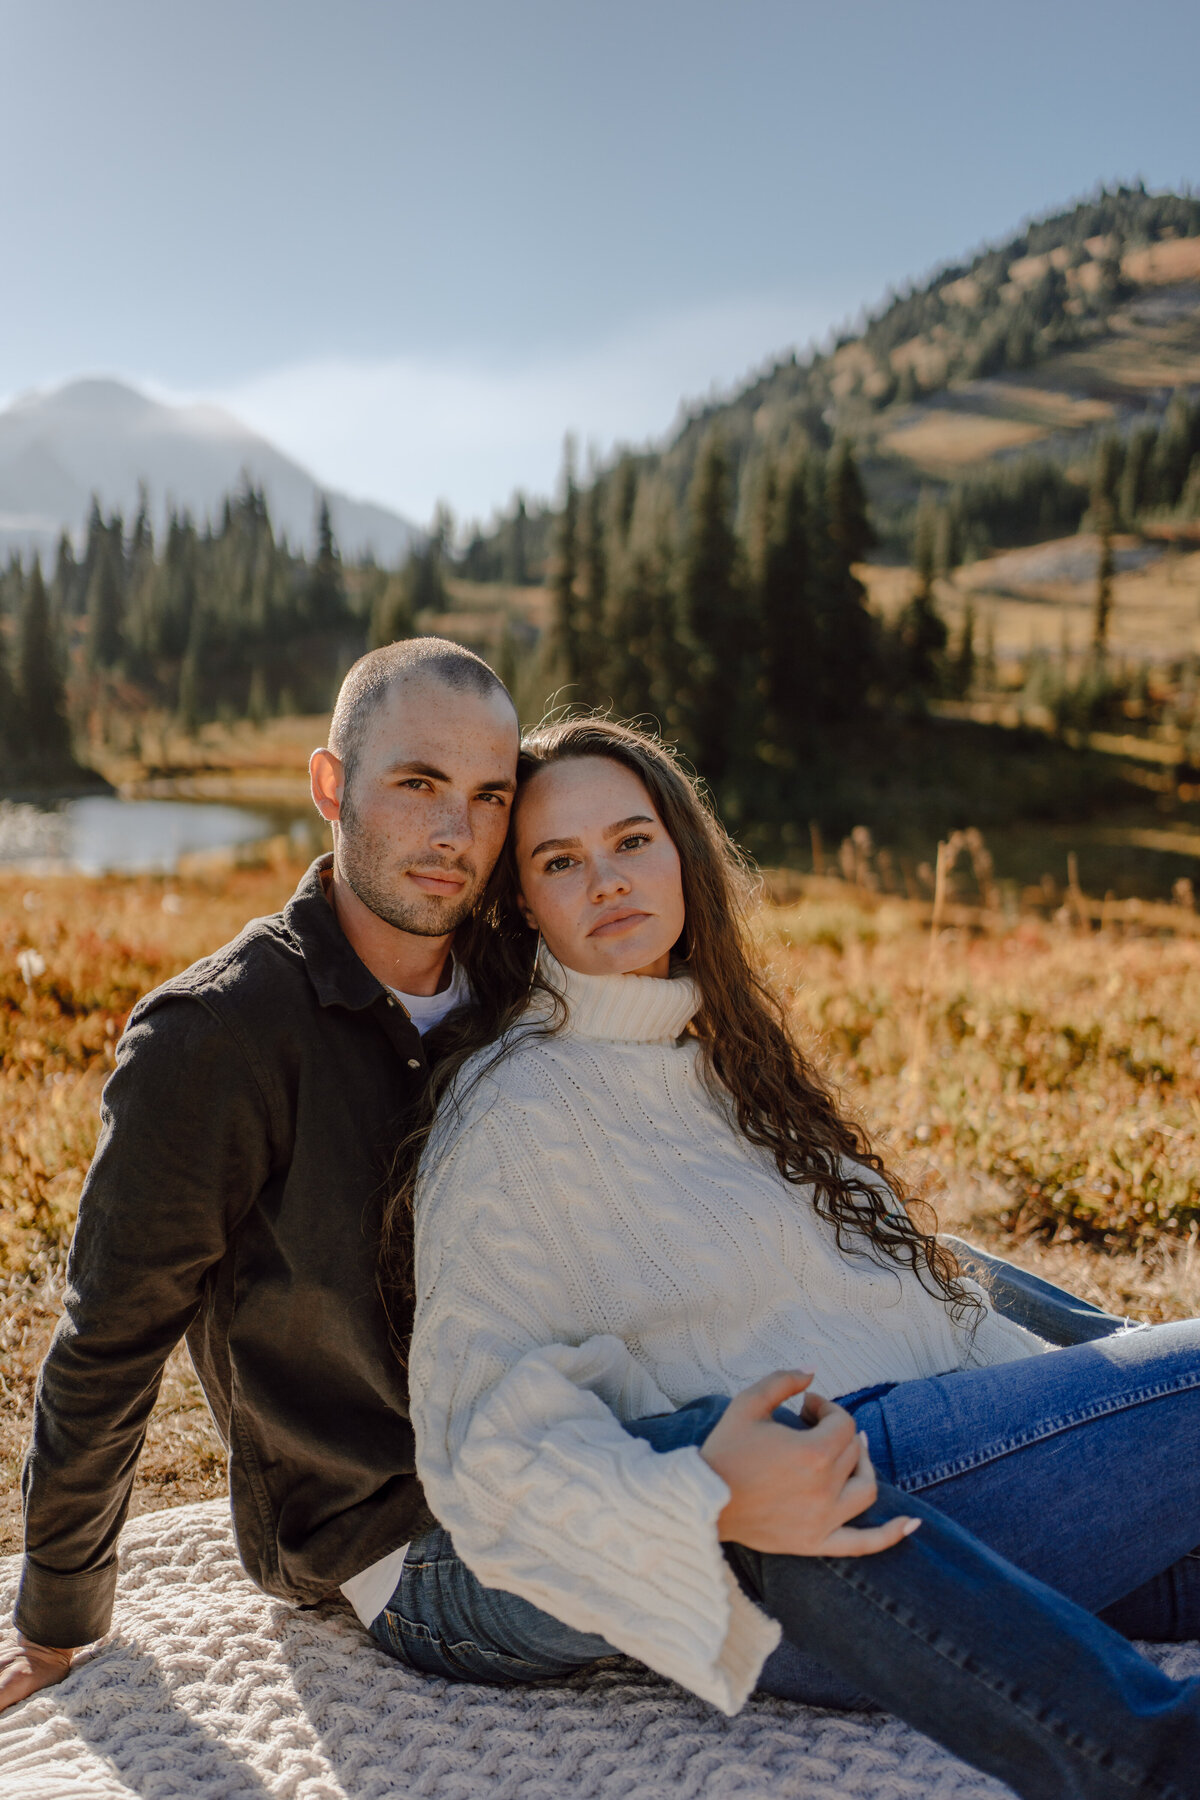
[452, 828]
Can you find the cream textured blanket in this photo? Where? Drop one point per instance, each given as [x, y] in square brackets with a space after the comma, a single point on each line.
[207, 1689]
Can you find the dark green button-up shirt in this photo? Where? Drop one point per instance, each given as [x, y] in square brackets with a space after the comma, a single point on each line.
[247, 1136]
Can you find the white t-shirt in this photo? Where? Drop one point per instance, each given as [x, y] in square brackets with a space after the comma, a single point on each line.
[370, 1591]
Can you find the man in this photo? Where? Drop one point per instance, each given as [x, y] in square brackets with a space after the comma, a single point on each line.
[235, 1195]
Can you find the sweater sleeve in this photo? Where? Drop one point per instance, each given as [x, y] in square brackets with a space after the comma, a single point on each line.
[516, 1409]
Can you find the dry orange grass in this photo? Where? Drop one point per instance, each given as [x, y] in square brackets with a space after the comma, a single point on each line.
[1053, 1108]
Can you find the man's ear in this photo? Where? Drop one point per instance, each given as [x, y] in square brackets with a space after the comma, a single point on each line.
[327, 779]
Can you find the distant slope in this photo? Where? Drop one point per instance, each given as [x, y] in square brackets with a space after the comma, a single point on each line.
[101, 437]
[1082, 322]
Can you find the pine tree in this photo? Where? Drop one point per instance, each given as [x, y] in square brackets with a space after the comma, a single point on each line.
[850, 528]
[962, 665]
[593, 583]
[46, 736]
[105, 607]
[1104, 576]
[568, 637]
[326, 596]
[713, 615]
[845, 631]
[516, 557]
[783, 572]
[921, 633]
[65, 583]
[391, 615]
[10, 719]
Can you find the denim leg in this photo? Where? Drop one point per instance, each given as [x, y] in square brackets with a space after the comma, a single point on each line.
[1081, 1466]
[995, 1665]
[443, 1621]
[1049, 1311]
[939, 1630]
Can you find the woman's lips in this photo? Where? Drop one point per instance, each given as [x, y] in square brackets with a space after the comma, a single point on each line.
[621, 922]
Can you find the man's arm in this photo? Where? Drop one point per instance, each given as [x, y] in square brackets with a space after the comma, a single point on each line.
[184, 1149]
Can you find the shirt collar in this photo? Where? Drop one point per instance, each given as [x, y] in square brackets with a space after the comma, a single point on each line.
[339, 976]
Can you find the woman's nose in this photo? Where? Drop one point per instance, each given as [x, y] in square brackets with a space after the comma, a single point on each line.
[607, 879]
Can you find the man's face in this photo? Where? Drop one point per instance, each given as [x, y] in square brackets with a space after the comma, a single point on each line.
[423, 818]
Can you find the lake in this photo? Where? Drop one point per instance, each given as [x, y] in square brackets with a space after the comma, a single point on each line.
[102, 834]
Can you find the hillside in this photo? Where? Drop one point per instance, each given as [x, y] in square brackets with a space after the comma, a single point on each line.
[1081, 323]
[102, 438]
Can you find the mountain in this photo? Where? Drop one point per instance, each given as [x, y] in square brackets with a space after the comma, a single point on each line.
[1082, 323]
[98, 437]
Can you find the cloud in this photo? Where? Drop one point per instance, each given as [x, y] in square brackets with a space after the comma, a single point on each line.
[410, 430]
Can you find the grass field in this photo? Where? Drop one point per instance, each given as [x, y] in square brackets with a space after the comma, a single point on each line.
[1040, 1084]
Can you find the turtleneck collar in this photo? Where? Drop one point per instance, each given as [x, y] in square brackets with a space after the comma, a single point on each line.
[636, 1009]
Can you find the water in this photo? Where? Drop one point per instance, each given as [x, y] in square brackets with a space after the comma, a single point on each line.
[101, 834]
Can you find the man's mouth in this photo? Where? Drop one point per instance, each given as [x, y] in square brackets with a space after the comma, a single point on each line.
[437, 881]
[615, 923]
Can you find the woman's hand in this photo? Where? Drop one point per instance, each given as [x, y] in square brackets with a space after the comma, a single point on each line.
[793, 1492]
[25, 1667]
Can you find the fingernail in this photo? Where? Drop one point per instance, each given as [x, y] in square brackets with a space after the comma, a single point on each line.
[862, 1438]
[913, 1525]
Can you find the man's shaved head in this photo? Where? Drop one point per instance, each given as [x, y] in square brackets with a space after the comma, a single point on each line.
[372, 677]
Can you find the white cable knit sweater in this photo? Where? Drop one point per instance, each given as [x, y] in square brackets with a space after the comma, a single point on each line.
[595, 1242]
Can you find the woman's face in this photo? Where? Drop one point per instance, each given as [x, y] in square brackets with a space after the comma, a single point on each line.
[599, 876]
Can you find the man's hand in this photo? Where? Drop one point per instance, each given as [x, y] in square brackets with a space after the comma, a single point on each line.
[792, 1492]
[26, 1667]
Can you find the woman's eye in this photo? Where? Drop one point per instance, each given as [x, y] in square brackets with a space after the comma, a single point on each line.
[556, 864]
[634, 841]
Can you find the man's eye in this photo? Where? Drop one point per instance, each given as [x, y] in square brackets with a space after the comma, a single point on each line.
[415, 782]
[493, 799]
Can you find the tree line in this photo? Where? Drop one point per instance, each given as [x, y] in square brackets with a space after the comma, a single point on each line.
[221, 620]
[741, 630]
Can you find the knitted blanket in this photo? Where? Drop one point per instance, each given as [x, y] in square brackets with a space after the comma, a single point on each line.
[209, 1690]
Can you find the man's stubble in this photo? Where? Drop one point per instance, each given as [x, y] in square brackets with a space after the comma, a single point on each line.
[368, 870]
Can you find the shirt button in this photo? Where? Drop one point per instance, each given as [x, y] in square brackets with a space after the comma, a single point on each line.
[414, 1062]
[392, 1000]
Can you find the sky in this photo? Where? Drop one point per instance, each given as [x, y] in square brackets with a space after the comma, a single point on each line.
[415, 244]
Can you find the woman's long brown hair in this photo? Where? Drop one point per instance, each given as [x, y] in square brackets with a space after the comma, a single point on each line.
[748, 1054]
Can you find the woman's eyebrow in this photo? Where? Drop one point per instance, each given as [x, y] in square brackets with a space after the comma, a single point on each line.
[624, 824]
[555, 844]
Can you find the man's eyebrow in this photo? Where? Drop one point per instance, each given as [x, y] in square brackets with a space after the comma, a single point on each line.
[418, 768]
[499, 784]
[609, 831]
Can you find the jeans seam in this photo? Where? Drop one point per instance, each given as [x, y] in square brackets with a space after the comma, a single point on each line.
[1048, 1428]
[970, 1665]
[421, 1634]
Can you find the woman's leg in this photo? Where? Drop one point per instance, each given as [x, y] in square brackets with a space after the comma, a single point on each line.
[939, 1630]
[1042, 1307]
[1081, 1466]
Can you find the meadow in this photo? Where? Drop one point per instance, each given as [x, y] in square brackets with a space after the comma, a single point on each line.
[1036, 1075]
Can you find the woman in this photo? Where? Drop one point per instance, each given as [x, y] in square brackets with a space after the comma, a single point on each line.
[638, 1200]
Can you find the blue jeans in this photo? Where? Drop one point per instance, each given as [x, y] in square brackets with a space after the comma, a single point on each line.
[1061, 1503]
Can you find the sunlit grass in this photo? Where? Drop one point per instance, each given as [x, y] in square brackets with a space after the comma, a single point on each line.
[1050, 1106]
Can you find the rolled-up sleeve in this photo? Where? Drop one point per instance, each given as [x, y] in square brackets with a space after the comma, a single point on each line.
[184, 1149]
